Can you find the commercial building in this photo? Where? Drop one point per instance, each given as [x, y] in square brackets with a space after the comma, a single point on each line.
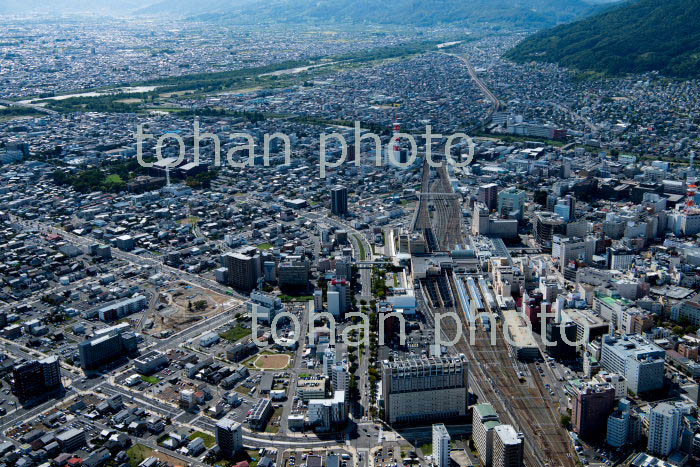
[339, 200]
[589, 325]
[265, 306]
[293, 274]
[34, 378]
[508, 447]
[485, 419]
[424, 389]
[511, 203]
[592, 405]
[521, 338]
[150, 362]
[71, 440]
[106, 347]
[229, 436]
[121, 309]
[641, 362]
[243, 268]
[441, 446]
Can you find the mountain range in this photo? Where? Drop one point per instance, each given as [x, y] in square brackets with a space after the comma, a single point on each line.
[529, 14]
[641, 36]
[525, 13]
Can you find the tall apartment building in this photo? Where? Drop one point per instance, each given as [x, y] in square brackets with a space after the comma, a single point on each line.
[640, 361]
[508, 447]
[339, 200]
[485, 419]
[110, 345]
[593, 403]
[441, 446]
[229, 436]
[665, 425]
[624, 426]
[547, 225]
[425, 389]
[34, 378]
[243, 268]
[488, 195]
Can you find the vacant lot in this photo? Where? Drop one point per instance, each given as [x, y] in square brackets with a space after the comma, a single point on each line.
[272, 362]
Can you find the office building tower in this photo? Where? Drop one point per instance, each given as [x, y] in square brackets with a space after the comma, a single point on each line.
[108, 346]
[243, 268]
[485, 419]
[425, 389]
[488, 195]
[593, 403]
[561, 350]
[640, 361]
[511, 203]
[293, 275]
[229, 436]
[441, 446]
[339, 200]
[270, 271]
[34, 378]
[508, 447]
[665, 425]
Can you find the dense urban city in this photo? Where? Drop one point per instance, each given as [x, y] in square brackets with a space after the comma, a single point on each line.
[286, 271]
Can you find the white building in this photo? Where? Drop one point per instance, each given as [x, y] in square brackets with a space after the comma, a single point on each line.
[508, 447]
[665, 424]
[441, 446]
[616, 381]
[485, 419]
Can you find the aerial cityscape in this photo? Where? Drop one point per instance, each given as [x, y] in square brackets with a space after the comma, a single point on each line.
[349, 234]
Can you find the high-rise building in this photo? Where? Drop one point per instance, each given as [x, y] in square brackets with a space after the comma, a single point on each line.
[339, 200]
[328, 361]
[640, 361]
[340, 378]
[243, 268]
[561, 350]
[547, 225]
[342, 287]
[508, 447]
[665, 425]
[31, 379]
[485, 419]
[425, 389]
[109, 345]
[511, 203]
[441, 446]
[593, 403]
[229, 436]
[293, 274]
[624, 426]
[488, 195]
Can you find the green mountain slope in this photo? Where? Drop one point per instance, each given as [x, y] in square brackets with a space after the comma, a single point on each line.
[648, 35]
[521, 13]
